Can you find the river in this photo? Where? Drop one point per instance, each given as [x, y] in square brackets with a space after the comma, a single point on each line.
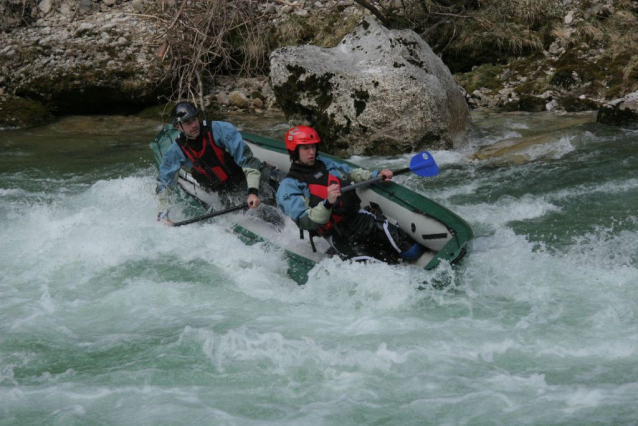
[108, 317]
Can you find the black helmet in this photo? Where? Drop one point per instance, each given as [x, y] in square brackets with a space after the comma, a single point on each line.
[182, 112]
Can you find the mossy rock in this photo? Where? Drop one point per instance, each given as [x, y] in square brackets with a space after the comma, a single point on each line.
[572, 62]
[575, 104]
[485, 76]
[614, 116]
[256, 94]
[20, 112]
[510, 107]
[532, 87]
[532, 103]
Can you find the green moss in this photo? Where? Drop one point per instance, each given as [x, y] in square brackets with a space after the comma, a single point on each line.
[20, 112]
[532, 87]
[485, 76]
[572, 65]
[564, 77]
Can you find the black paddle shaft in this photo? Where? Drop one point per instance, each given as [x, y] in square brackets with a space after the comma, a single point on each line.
[210, 215]
[371, 181]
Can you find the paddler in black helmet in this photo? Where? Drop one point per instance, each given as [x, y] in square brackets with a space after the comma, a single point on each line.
[217, 155]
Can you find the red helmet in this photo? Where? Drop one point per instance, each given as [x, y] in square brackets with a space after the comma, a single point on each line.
[301, 135]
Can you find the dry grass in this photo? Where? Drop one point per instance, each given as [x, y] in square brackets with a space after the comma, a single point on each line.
[319, 29]
[614, 32]
[476, 31]
[559, 31]
[512, 26]
[590, 31]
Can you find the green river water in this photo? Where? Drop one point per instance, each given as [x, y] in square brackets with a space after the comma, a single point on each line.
[108, 317]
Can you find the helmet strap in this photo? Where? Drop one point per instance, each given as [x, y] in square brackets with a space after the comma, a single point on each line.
[294, 155]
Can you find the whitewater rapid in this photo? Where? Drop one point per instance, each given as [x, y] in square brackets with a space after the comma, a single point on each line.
[109, 317]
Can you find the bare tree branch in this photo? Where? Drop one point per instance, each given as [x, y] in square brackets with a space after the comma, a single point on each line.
[179, 12]
[373, 10]
[206, 38]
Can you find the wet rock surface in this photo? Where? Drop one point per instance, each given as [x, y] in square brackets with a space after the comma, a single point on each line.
[620, 112]
[379, 92]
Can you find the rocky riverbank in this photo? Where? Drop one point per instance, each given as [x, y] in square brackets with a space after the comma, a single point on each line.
[103, 56]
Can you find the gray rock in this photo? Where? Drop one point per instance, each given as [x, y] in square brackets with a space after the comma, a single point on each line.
[239, 100]
[84, 28]
[378, 92]
[66, 10]
[45, 6]
[222, 98]
[138, 5]
[258, 103]
[85, 6]
[620, 112]
[271, 10]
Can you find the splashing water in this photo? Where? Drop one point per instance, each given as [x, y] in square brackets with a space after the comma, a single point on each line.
[108, 317]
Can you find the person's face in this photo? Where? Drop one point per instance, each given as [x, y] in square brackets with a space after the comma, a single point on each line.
[191, 127]
[307, 154]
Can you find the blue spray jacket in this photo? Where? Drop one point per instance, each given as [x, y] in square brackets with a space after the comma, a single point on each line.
[293, 196]
[225, 136]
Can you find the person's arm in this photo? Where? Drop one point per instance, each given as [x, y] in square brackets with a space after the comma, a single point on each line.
[172, 161]
[293, 199]
[231, 140]
[356, 174]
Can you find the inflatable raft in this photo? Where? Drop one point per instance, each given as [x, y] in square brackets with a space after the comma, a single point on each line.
[444, 234]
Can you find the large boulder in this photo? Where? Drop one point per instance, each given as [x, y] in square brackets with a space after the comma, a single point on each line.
[620, 112]
[379, 91]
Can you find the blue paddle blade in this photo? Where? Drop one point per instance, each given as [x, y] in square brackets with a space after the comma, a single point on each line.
[423, 164]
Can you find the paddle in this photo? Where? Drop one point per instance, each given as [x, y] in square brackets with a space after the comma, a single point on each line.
[422, 164]
[209, 215]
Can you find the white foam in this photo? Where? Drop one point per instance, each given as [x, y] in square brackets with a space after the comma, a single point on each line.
[11, 192]
[505, 210]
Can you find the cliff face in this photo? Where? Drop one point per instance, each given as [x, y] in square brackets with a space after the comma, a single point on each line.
[82, 62]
